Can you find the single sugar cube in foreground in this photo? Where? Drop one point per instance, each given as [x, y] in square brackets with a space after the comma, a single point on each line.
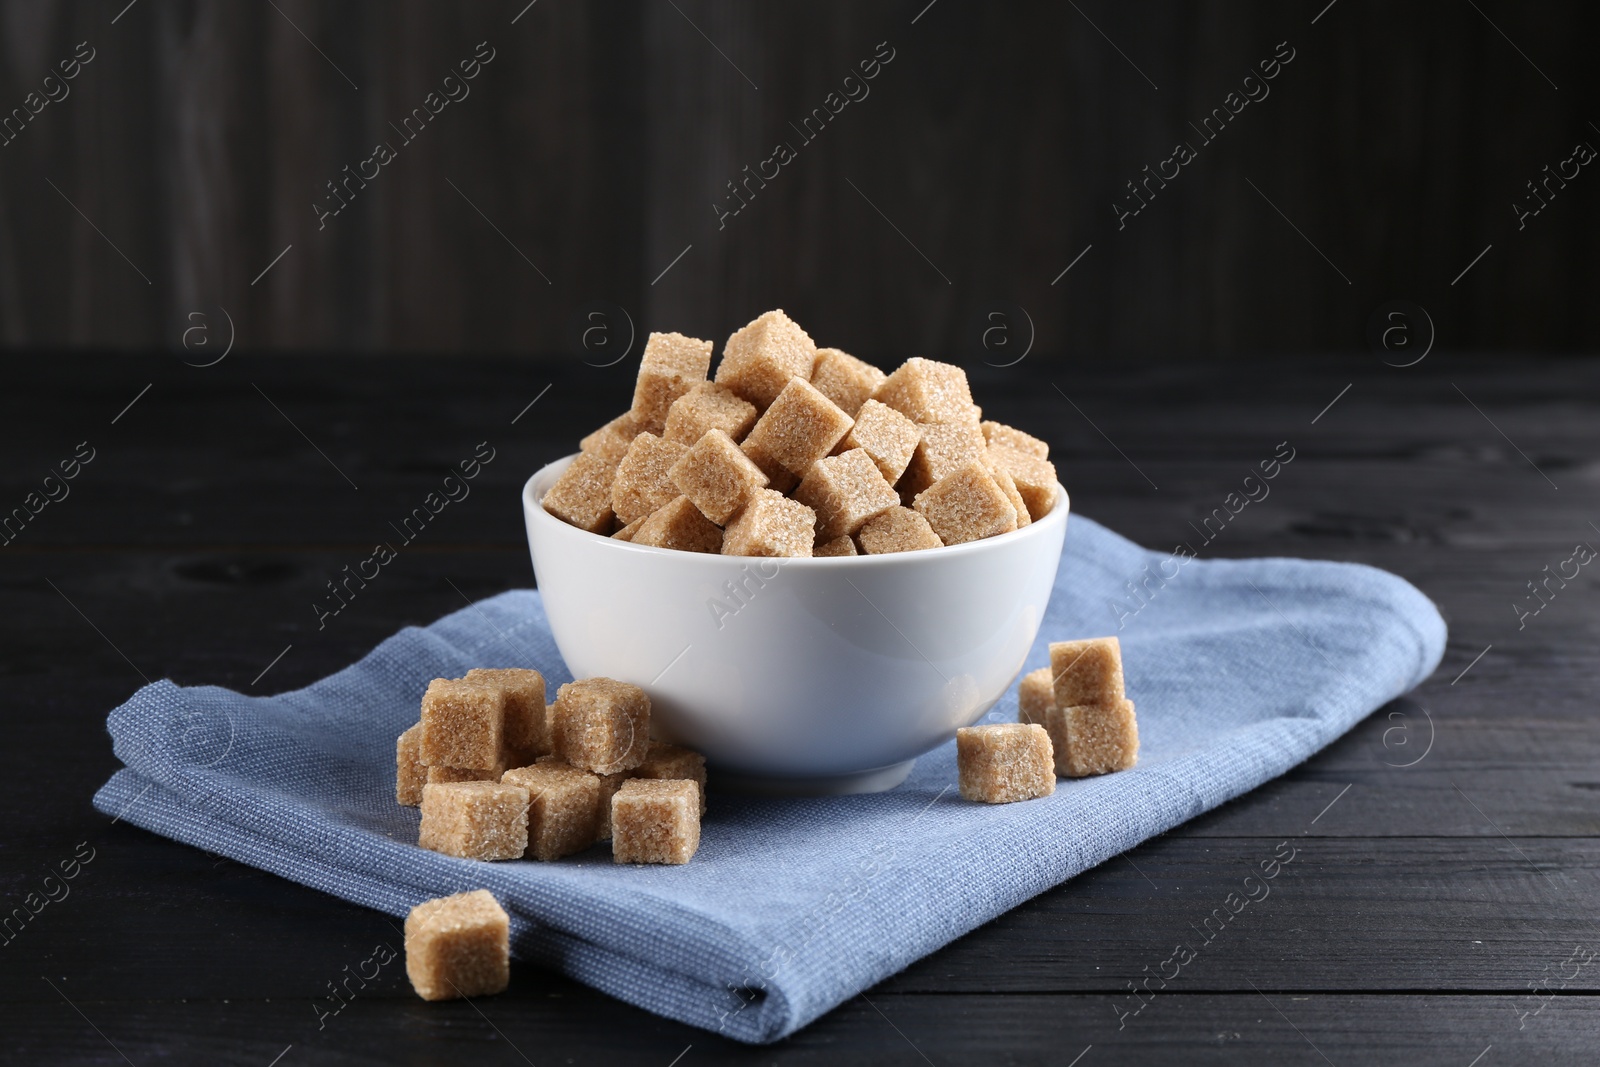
[1004, 763]
[463, 724]
[563, 807]
[770, 525]
[526, 732]
[717, 476]
[1094, 738]
[581, 497]
[458, 946]
[966, 505]
[679, 524]
[673, 761]
[410, 773]
[644, 483]
[1087, 672]
[845, 491]
[897, 530]
[844, 379]
[655, 821]
[1035, 698]
[601, 725]
[672, 365]
[474, 820]
[761, 357]
[706, 407]
[927, 391]
[798, 429]
[887, 436]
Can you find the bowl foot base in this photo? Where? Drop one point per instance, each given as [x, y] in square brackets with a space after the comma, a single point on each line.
[876, 781]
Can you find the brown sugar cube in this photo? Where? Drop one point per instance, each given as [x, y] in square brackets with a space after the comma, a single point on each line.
[643, 483]
[770, 525]
[563, 807]
[761, 357]
[674, 762]
[458, 946]
[1035, 478]
[445, 775]
[845, 491]
[1094, 738]
[998, 433]
[944, 447]
[1004, 763]
[463, 724]
[523, 690]
[410, 773]
[897, 530]
[798, 429]
[886, 435]
[679, 524]
[1087, 672]
[611, 441]
[717, 476]
[1035, 697]
[844, 379]
[601, 725]
[839, 546]
[474, 820]
[1009, 488]
[926, 391]
[966, 505]
[655, 821]
[672, 365]
[709, 406]
[581, 497]
[628, 531]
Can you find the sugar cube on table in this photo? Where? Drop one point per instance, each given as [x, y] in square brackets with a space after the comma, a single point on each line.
[655, 821]
[717, 476]
[410, 774]
[671, 366]
[601, 725]
[838, 546]
[886, 435]
[679, 524]
[761, 357]
[674, 762]
[581, 497]
[1035, 697]
[799, 428]
[643, 481]
[926, 391]
[770, 525]
[526, 731]
[463, 724]
[709, 406]
[1087, 671]
[563, 807]
[1035, 478]
[844, 379]
[897, 530]
[966, 505]
[474, 820]
[845, 491]
[942, 448]
[458, 946]
[611, 441]
[1093, 738]
[1005, 762]
[998, 433]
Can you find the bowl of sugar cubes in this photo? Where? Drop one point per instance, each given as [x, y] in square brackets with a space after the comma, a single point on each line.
[817, 570]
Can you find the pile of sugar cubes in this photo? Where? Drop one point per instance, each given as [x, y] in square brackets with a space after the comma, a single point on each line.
[799, 451]
[500, 776]
[1074, 719]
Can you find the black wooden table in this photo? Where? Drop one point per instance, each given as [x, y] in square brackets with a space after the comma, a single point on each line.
[1442, 907]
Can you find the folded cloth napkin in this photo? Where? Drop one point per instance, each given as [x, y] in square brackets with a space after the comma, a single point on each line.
[1239, 669]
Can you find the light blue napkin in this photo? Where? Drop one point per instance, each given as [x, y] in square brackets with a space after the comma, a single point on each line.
[1239, 670]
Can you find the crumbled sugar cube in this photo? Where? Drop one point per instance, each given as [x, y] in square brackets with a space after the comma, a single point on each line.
[844, 379]
[1005, 762]
[966, 505]
[563, 807]
[410, 773]
[839, 546]
[1087, 672]
[458, 946]
[944, 447]
[672, 365]
[474, 820]
[611, 441]
[886, 435]
[581, 497]
[627, 532]
[845, 491]
[1035, 478]
[926, 391]
[1009, 488]
[679, 524]
[526, 732]
[1094, 738]
[601, 725]
[1035, 697]
[643, 483]
[709, 406]
[674, 762]
[761, 357]
[655, 821]
[463, 724]
[770, 525]
[717, 476]
[998, 433]
[897, 530]
[798, 429]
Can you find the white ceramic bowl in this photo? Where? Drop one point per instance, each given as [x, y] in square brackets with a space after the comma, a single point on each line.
[798, 675]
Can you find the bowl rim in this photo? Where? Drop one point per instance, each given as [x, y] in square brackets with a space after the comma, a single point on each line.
[534, 512]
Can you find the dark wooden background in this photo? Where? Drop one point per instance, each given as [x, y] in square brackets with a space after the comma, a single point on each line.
[986, 158]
